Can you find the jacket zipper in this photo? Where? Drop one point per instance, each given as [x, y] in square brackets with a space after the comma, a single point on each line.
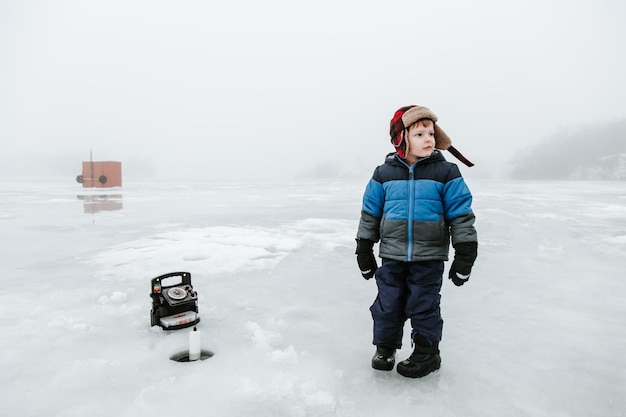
[410, 216]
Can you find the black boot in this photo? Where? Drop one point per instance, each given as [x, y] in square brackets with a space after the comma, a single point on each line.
[384, 358]
[424, 359]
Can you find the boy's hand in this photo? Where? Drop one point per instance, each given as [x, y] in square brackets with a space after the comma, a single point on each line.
[464, 256]
[367, 264]
[457, 278]
[365, 258]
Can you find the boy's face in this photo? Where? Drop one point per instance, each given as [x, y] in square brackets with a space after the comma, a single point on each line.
[421, 140]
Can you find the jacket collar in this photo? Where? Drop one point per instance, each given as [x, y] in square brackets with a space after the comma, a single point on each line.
[395, 159]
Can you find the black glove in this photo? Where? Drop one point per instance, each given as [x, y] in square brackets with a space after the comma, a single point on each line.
[464, 256]
[365, 257]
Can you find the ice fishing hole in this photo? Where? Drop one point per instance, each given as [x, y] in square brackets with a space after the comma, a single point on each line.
[184, 356]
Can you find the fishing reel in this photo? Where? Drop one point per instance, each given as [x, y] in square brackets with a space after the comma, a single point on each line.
[174, 301]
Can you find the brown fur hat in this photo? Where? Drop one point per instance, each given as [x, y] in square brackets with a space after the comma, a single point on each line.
[406, 116]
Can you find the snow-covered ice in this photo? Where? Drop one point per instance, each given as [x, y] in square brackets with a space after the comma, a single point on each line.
[540, 329]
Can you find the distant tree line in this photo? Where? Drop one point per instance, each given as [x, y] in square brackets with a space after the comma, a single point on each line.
[591, 153]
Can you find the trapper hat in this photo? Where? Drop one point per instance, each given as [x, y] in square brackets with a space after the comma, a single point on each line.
[405, 116]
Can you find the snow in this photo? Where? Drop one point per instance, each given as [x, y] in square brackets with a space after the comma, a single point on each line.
[539, 330]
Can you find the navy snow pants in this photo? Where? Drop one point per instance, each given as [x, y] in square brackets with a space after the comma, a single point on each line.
[407, 290]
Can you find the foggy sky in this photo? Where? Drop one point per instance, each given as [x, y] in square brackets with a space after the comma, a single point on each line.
[275, 89]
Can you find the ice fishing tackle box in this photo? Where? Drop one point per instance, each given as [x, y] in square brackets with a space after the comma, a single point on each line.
[174, 301]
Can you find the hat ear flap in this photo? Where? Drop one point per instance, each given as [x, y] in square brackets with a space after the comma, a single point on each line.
[399, 142]
[396, 131]
[442, 140]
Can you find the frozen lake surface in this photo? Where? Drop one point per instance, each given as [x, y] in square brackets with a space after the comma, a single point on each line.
[540, 329]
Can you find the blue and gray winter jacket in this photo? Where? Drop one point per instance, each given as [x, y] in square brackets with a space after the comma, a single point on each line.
[415, 210]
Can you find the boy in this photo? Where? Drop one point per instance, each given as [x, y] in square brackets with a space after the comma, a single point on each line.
[415, 203]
